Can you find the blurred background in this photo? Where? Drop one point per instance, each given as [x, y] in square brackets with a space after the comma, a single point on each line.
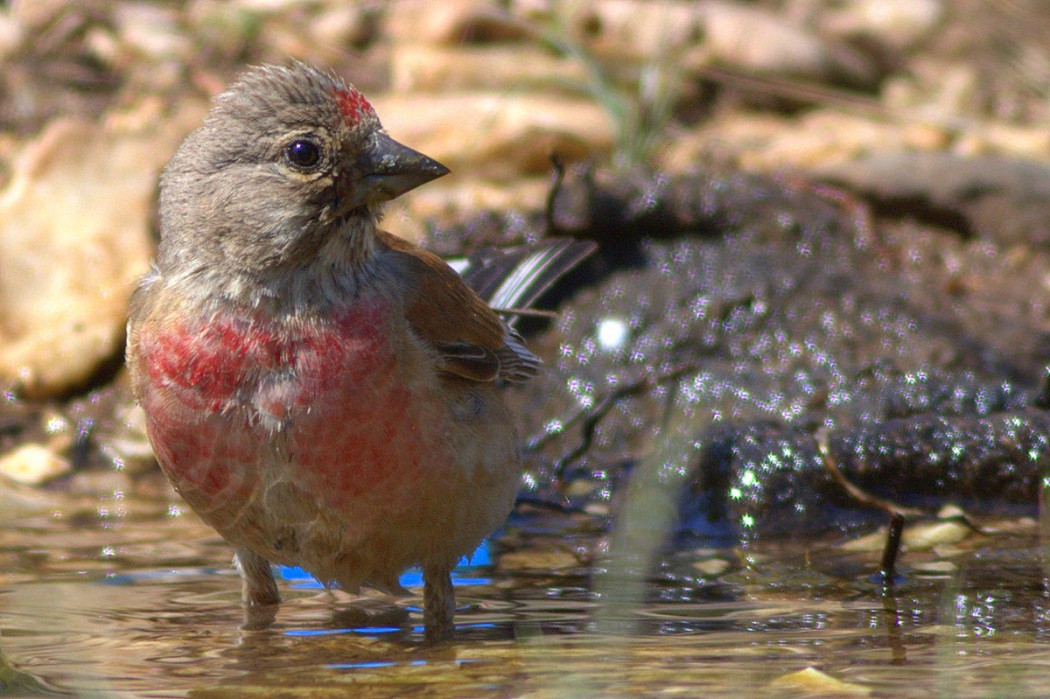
[814, 217]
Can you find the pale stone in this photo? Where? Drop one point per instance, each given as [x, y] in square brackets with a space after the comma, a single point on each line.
[450, 22]
[995, 138]
[128, 447]
[761, 41]
[419, 67]
[271, 6]
[813, 682]
[12, 34]
[33, 464]
[922, 537]
[597, 509]
[581, 487]
[935, 568]
[152, 31]
[551, 559]
[695, 36]
[458, 197]
[34, 14]
[712, 567]
[817, 139]
[632, 28]
[936, 91]
[494, 134]
[897, 24]
[341, 25]
[74, 237]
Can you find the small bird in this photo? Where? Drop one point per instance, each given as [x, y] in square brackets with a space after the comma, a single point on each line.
[322, 393]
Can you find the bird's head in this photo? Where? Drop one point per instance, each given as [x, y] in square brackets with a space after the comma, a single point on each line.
[290, 167]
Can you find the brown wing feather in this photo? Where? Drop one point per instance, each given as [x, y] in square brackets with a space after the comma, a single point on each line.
[446, 314]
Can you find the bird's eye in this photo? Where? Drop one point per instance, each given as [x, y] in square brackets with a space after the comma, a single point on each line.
[303, 153]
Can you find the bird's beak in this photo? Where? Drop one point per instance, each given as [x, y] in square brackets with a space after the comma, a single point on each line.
[391, 169]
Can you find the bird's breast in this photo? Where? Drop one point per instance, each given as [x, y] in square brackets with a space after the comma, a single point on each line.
[234, 360]
[330, 397]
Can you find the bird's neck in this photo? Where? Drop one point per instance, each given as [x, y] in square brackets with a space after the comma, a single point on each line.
[332, 277]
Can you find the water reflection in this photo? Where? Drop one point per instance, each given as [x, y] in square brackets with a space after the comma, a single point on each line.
[158, 615]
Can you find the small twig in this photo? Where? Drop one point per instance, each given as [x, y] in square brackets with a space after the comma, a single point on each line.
[539, 441]
[858, 494]
[552, 195]
[888, 571]
[592, 417]
[897, 513]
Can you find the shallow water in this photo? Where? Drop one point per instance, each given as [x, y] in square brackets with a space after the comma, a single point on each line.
[140, 600]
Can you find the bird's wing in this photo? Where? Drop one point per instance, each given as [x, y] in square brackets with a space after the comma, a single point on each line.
[515, 278]
[445, 313]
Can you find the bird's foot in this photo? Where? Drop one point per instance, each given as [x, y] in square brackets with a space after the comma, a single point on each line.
[439, 603]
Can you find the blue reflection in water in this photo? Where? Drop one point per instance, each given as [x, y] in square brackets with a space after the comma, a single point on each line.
[371, 664]
[301, 580]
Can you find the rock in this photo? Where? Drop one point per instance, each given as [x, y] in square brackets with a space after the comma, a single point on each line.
[127, 446]
[696, 36]
[896, 24]
[420, 67]
[11, 35]
[1005, 139]
[343, 25]
[463, 196]
[451, 23]
[712, 567]
[812, 682]
[813, 140]
[937, 91]
[74, 237]
[923, 536]
[759, 41]
[497, 135]
[544, 560]
[994, 197]
[935, 568]
[152, 32]
[33, 464]
[757, 309]
[632, 28]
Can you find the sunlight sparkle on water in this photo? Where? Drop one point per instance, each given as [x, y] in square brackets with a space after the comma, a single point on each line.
[612, 334]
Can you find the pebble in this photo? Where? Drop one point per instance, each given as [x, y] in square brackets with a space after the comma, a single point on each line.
[712, 567]
[74, 230]
[33, 464]
[813, 682]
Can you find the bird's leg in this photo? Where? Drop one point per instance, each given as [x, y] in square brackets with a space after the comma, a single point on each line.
[439, 602]
[259, 588]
